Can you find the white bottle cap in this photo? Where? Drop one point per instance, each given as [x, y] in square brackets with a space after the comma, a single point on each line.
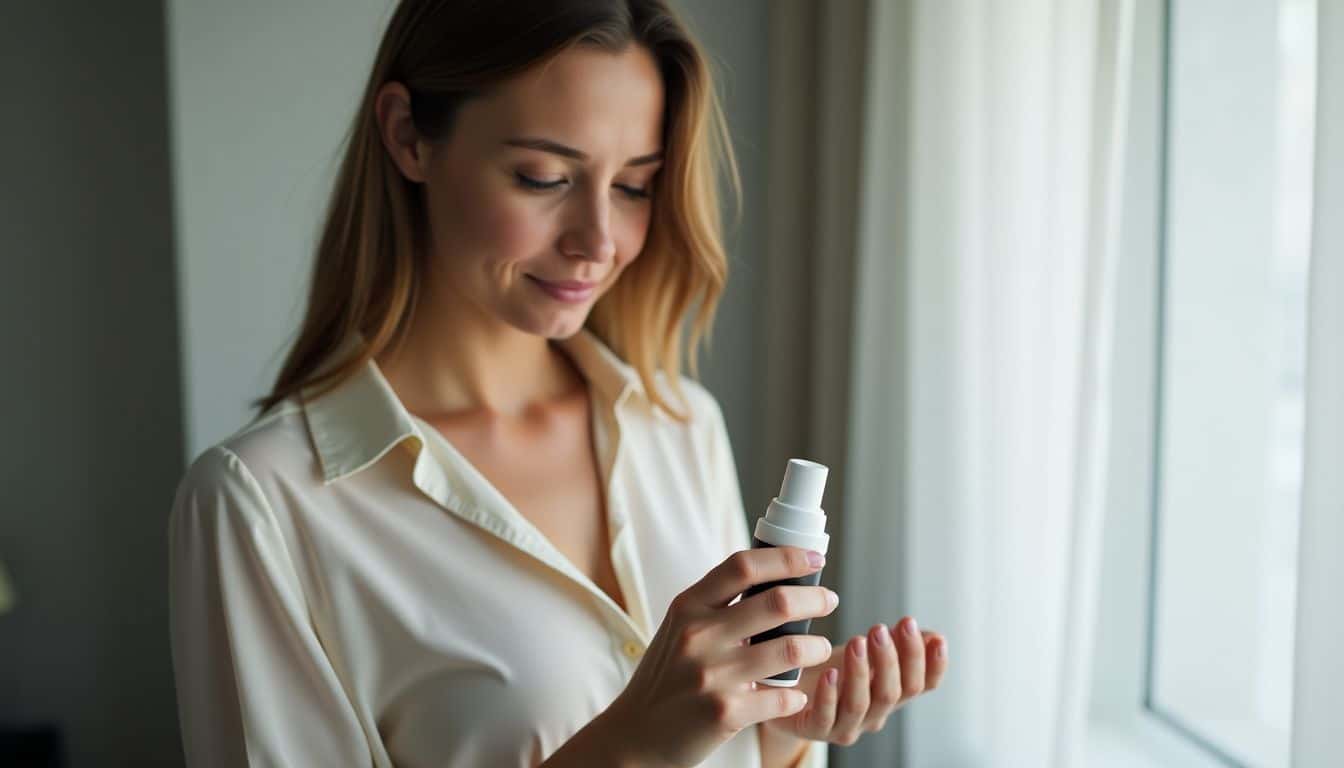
[795, 517]
[804, 483]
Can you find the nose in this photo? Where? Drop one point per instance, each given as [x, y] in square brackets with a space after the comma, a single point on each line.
[588, 235]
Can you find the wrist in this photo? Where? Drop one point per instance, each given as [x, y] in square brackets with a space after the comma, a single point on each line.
[602, 742]
[619, 740]
[801, 755]
[780, 749]
[615, 739]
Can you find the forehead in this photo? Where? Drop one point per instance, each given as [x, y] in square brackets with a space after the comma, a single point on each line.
[609, 105]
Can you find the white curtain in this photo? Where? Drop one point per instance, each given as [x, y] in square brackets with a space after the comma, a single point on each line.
[981, 344]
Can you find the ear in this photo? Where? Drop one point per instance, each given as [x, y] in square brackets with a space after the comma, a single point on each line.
[392, 106]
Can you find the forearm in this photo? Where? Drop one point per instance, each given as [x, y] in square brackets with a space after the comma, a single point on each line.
[781, 750]
[593, 746]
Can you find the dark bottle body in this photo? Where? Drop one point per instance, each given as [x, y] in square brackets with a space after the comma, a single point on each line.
[799, 627]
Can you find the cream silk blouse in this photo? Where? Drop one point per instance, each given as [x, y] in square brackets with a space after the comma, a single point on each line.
[346, 589]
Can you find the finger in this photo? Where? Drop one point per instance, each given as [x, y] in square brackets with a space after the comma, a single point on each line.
[757, 662]
[885, 691]
[747, 568]
[819, 717]
[776, 606]
[937, 656]
[853, 704]
[767, 702]
[910, 646]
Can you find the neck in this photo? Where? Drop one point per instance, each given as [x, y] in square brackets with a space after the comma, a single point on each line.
[455, 361]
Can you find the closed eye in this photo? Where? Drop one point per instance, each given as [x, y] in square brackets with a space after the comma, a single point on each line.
[536, 184]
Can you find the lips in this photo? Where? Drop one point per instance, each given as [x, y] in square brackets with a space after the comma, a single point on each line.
[571, 291]
[569, 285]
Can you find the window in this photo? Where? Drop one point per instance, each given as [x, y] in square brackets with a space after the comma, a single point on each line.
[1195, 645]
[1231, 346]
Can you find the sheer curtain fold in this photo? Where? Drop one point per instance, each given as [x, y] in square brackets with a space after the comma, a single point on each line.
[984, 284]
[940, 301]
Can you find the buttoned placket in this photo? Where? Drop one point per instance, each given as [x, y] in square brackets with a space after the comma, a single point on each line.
[607, 433]
[436, 457]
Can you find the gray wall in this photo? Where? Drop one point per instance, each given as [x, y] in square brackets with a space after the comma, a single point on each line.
[262, 93]
[735, 35]
[93, 442]
[154, 276]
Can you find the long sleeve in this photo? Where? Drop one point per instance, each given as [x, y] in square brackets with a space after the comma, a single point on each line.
[738, 532]
[254, 686]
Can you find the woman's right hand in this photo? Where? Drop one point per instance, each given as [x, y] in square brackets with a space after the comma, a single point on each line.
[694, 688]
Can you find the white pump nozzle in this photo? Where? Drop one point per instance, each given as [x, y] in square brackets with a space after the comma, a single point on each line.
[804, 483]
[795, 516]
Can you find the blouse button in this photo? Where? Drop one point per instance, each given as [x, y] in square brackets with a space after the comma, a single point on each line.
[632, 649]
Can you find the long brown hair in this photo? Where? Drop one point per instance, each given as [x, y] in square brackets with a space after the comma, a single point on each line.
[369, 259]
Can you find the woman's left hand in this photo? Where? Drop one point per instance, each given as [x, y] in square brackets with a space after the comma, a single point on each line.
[875, 674]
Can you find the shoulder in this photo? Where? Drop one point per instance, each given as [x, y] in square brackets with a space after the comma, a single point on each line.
[275, 443]
[702, 406]
[702, 402]
[704, 416]
[701, 439]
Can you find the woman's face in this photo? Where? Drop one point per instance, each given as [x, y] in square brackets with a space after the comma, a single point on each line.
[539, 198]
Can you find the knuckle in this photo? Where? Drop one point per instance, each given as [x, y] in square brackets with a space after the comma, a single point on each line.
[848, 738]
[885, 698]
[779, 603]
[796, 560]
[680, 607]
[795, 651]
[703, 678]
[741, 567]
[684, 643]
[913, 690]
[688, 639]
[851, 709]
[692, 631]
[724, 713]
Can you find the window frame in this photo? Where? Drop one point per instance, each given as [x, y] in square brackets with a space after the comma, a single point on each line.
[1123, 727]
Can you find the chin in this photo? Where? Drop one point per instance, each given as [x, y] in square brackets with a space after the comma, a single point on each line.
[553, 324]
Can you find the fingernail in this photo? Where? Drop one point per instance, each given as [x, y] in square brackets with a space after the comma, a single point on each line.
[879, 636]
[911, 628]
[815, 559]
[858, 649]
[832, 599]
[832, 675]
[941, 651]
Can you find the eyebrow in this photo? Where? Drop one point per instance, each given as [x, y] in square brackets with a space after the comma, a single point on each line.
[546, 145]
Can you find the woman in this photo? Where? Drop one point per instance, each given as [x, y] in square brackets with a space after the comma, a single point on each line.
[481, 519]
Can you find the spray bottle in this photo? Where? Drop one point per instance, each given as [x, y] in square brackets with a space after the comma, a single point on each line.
[794, 519]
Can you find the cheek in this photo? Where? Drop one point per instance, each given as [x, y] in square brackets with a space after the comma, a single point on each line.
[490, 229]
[630, 239]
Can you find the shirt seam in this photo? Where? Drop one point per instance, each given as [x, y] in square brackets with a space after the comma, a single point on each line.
[255, 487]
